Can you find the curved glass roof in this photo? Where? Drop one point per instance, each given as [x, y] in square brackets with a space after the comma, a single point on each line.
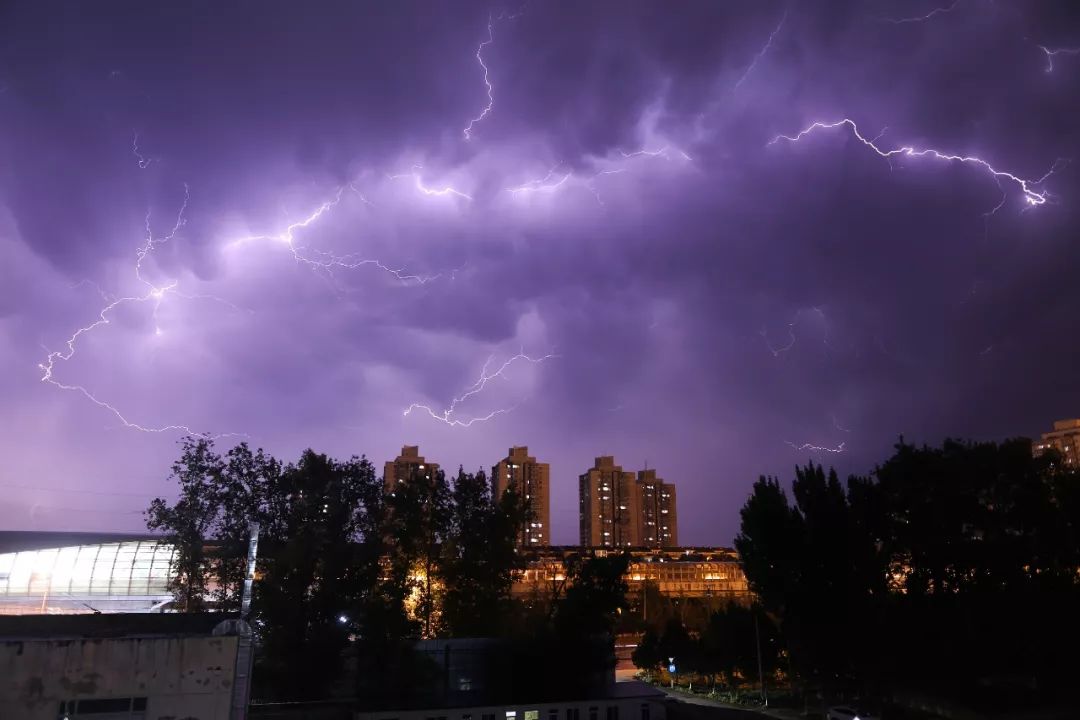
[110, 577]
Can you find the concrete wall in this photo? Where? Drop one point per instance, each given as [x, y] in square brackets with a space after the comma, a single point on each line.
[183, 678]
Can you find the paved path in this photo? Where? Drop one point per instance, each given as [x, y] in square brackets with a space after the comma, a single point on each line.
[681, 706]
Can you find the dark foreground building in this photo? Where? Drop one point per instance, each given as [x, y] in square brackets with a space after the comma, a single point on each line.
[121, 667]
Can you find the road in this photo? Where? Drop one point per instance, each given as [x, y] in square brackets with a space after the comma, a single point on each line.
[683, 707]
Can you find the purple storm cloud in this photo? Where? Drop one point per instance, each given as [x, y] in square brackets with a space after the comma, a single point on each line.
[720, 238]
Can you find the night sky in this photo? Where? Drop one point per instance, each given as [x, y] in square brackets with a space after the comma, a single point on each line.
[616, 244]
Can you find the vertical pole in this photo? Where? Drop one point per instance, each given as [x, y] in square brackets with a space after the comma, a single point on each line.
[761, 675]
[249, 576]
[245, 643]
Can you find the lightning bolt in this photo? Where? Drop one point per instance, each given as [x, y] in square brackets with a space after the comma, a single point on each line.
[547, 183]
[816, 448]
[1052, 53]
[542, 184]
[778, 351]
[923, 18]
[418, 183]
[838, 426]
[154, 294]
[325, 261]
[156, 291]
[487, 80]
[144, 160]
[1032, 196]
[486, 376]
[761, 53]
[664, 152]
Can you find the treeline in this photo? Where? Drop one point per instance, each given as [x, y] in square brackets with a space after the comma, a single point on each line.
[736, 646]
[951, 571]
[349, 576]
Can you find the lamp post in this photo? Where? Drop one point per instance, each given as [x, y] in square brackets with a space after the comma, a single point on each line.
[760, 674]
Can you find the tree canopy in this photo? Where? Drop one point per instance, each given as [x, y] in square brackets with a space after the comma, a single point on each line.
[948, 569]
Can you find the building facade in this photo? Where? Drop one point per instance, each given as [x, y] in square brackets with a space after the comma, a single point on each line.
[1065, 438]
[654, 503]
[531, 481]
[605, 498]
[130, 666]
[406, 465]
[677, 572]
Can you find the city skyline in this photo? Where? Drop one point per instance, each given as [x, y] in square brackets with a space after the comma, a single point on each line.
[722, 241]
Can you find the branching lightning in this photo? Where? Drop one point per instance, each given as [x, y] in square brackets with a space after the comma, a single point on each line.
[447, 416]
[761, 53]
[487, 80]
[418, 183]
[325, 261]
[544, 184]
[816, 448]
[780, 350]
[664, 152]
[1052, 53]
[922, 18]
[156, 291]
[154, 294]
[1032, 192]
[554, 180]
[144, 160]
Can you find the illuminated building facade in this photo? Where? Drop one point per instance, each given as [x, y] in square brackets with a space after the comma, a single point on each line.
[68, 573]
[1065, 438]
[530, 481]
[678, 572]
[654, 504]
[406, 465]
[63, 573]
[606, 496]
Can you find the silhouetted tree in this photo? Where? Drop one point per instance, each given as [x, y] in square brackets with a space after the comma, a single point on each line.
[320, 547]
[479, 557]
[905, 578]
[191, 521]
[417, 523]
[647, 655]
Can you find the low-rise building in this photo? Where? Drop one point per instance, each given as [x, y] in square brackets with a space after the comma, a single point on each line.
[675, 572]
[130, 666]
[618, 701]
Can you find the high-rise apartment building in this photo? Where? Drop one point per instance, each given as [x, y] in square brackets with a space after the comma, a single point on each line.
[606, 497]
[406, 465]
[654, 503]
[530, 481]
[1065, 438]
